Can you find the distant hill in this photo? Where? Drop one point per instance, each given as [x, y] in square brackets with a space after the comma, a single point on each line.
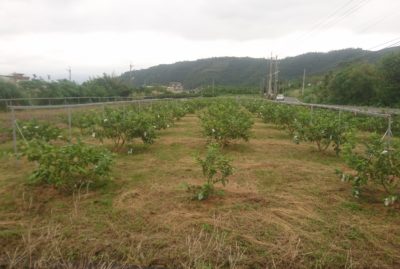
[246, 71]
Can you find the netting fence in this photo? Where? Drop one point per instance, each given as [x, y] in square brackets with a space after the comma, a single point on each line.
[389, 117]
[6, 104]
[64, 116]
[63, 112]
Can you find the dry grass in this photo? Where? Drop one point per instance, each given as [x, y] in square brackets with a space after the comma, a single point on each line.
[283, 208]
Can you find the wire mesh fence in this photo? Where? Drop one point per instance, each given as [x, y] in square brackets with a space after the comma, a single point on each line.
[6, 103]
[65, 116]
[370, 119]
[62, 112]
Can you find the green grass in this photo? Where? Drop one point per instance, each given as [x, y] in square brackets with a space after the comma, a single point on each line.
[284, 207]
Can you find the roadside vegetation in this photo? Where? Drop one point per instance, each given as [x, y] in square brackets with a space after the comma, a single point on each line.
[358, 83]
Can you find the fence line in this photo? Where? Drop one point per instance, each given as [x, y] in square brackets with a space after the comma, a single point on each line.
[69, 107]
[8, 103]
[387, 116]
[5, 104]
[67, 97]
[139, 101]
[340, 108]
[386, 112]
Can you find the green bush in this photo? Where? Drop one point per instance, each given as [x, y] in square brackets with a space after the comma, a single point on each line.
[224, 121]
[39, 130]
[85, 121]
[216, 168]
[282, 115]
[378, 164]
[123, 126]
[162, 118]
[69, 166]
[324, 128]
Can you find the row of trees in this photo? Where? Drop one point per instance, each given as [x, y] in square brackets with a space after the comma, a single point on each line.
[101, 86]
[369, 159]
[104, 86]
[361, 83]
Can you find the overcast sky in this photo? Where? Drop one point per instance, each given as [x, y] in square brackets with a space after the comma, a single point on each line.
[96, 36]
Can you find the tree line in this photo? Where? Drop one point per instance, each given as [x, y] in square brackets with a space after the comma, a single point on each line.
[105, 86]
[360, 83]
[37, 88]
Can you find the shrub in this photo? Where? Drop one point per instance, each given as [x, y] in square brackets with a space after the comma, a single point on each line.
[282, 115]
[39, 130]
[253, 105]
[69, 166]
[323, 128]
[225, 121]
[216, 168]
[178, 110]
[123, 126]
[143, 128]
[267, 113]
[162, 119]
[85, 121]
[379, 164]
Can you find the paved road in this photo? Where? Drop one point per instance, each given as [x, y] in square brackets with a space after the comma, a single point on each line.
[292, 100]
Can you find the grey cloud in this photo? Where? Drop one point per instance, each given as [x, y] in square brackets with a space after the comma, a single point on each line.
[195, 19]
[45, 36]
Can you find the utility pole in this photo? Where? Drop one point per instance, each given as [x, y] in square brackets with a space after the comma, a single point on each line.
[130, 72]
[263, 87]
[69, 73]
[213, 86]
[270, 76]
[304, 81]
[276, 76]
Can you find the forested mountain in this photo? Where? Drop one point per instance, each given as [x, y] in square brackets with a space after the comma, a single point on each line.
[234, 71]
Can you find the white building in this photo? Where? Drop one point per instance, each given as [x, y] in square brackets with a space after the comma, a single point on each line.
[14, 77]
[175, 87]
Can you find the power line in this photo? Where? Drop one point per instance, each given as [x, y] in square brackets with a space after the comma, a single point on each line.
[349, 12]
[379, 20]
[358, 5]
[343, 11]
[385, 43]
[323, 21]
[395, 44]
[389, 44]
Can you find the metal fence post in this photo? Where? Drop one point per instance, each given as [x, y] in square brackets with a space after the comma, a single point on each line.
[312, 114]
[14, 133]
[70, 124]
